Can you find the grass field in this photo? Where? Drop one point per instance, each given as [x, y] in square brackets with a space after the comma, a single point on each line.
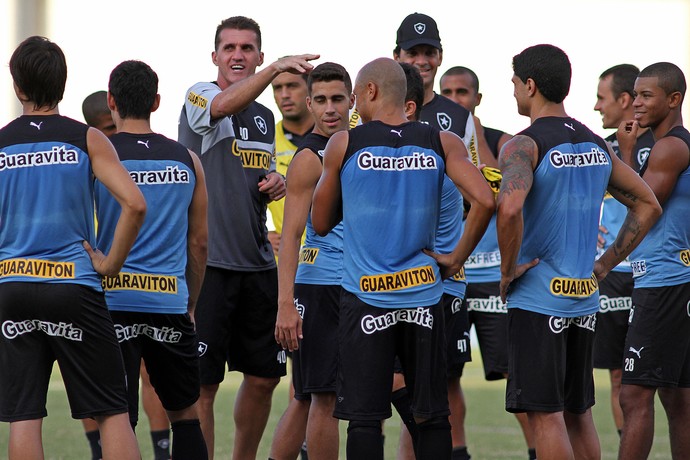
[492, 433]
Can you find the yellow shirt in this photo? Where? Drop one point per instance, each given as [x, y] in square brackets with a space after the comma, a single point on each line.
[285, 150]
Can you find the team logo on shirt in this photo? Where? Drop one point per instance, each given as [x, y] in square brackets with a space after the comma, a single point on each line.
[254, 159]
[685, 257]
[140, 282]
[416, 161]
[261, 124]
[558, 324]
[37, 268]
[308, 255]
[202, 349]
[420, 316]
[197, 100]
[444, 121]
[55, 156]
[574, 287]
[594, 157]
[12, 329]
[399, 280]
[642, 155]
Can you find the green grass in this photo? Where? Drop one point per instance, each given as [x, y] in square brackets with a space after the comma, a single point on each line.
[492, 433]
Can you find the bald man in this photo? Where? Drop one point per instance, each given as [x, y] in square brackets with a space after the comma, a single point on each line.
[97, 114]
[391, 303]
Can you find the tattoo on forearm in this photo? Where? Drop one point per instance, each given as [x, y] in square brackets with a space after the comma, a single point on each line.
[516, 166]
[624, 193]
[627, 235]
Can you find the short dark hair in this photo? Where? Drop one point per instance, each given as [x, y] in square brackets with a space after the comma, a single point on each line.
[95, 104]
[39, 69]
[329, 71]
[415, 87]
[671, 78]
[622, 78]
[133, 85]
[239, 23]
[549, 67]
[460, 70]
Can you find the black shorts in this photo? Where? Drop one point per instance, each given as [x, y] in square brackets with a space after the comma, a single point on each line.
[235, 321]
[168, 345]
[315, 364]
[457, 325]
[615, 300]
[488, 315]
[369, 339]
[45, 322]
[657, 348]
[458, 348]
[550, 363]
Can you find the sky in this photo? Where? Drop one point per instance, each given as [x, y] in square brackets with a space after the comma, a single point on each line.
[176, 39]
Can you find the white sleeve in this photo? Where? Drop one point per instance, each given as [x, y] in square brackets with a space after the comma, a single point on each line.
[471, 142]
[198, 106]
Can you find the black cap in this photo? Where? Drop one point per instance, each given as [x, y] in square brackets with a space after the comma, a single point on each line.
[418, 29]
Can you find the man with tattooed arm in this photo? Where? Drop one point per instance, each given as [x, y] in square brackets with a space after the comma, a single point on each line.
[555, 174]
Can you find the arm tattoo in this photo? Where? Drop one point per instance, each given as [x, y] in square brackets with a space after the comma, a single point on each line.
[627, 235]
[624, 193]
[516, 165]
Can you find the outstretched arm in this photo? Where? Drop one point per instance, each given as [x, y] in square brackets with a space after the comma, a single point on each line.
[238, 96]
